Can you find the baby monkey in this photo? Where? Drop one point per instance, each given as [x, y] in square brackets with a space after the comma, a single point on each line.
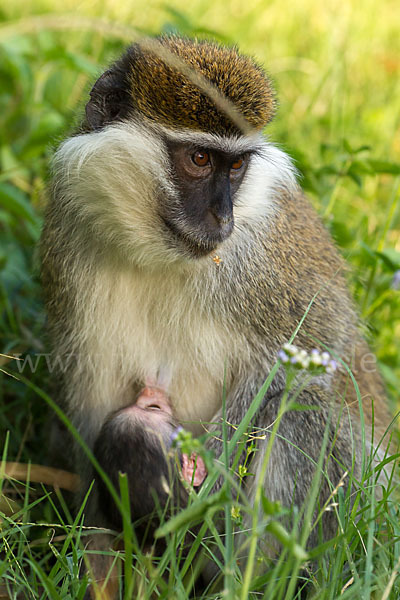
[138, 440]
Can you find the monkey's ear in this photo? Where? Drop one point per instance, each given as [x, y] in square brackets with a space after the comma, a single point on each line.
[109, 100]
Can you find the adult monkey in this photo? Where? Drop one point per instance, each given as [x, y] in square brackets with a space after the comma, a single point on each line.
[176, 238]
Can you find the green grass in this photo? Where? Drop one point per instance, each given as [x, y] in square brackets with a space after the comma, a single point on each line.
[337, 73]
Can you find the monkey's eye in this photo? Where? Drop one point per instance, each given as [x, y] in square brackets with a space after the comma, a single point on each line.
[201, 159]
[238, 164]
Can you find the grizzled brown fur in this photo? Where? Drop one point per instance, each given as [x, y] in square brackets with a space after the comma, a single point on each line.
[165, 95]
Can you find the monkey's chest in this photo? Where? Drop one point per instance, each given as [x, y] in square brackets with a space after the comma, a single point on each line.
[150, 324]
[185, 355]
[154, 327]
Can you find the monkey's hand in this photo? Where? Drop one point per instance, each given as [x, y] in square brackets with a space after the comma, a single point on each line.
[194, 470]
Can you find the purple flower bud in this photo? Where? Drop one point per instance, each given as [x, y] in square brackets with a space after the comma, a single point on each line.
[331, 367]
[175, 433]
[283, 356]
[396, 281]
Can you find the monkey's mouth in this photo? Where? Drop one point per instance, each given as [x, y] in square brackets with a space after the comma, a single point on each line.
[197, 242]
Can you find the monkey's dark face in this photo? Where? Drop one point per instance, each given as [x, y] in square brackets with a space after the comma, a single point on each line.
[159, 197]
[207, 181]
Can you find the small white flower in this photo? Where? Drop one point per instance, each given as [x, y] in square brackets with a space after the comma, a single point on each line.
[291, 349]
[305, 362]
[316, 358]
[302, 354]
[325, 356]
[301, 359]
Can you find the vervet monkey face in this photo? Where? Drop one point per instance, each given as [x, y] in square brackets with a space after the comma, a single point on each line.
[207, 181]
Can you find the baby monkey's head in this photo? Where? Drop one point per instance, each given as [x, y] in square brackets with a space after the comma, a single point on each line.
[137, 440]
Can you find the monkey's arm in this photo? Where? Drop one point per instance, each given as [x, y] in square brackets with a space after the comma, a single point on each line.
[325, 429]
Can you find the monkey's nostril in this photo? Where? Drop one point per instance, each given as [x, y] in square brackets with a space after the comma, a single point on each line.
[216, 221]
[148, 404]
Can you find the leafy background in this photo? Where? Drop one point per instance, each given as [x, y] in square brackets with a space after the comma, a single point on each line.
[336, 68]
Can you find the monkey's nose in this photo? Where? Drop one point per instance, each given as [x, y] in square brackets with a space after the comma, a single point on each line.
[221, 222]
[153, 398]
